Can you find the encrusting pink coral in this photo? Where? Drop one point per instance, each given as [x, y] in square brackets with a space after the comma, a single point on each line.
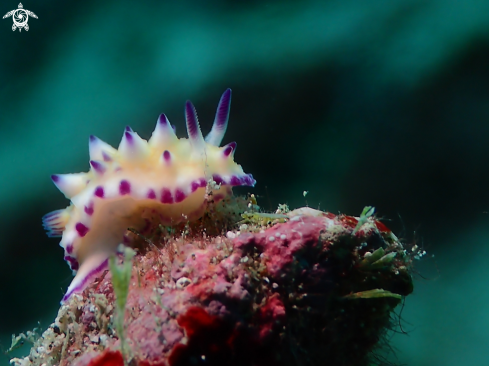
[142, 184]
[296, 288]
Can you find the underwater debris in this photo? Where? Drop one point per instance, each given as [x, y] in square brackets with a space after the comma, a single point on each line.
[294, 291]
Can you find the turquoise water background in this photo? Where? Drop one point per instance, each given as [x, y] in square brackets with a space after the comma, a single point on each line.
[382, 103]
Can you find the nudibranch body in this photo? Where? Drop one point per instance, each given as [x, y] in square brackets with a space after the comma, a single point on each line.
[164, 179]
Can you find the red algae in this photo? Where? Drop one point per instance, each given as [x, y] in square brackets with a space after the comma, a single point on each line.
[108, 358]
[293, 289]
[381, 227]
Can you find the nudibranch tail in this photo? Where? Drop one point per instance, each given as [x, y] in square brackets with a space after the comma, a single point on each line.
[163, 180]
[92, 267]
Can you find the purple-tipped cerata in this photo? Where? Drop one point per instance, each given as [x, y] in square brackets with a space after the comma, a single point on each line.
[81, 229]
[163, 133]
[229, 149]
[163, 120]
[129, 137]
[98, 166]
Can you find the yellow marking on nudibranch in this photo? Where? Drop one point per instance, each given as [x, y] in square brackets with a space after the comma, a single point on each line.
[141, 184]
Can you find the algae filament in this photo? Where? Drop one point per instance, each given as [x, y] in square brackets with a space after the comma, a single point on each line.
[121, 275]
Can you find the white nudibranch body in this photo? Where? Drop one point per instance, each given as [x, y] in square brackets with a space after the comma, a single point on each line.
[141, 184]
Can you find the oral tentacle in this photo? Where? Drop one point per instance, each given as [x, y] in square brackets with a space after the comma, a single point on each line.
[193, 128]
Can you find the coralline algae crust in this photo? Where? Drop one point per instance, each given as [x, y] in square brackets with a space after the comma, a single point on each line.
[312, 293]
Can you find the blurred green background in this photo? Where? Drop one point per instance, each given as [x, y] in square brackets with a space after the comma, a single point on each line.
[379, 102]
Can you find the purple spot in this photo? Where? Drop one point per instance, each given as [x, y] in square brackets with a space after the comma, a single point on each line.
[227, 151]
[129, 137]
[106, 157]
[55, 178]
[166, 156]
[151, 194]
[203, 182]
[124, 187]
[69, 248]
[93, 138]
[81, 229]
[174, 129]
[99, 192]
[179, 195]
[194, 186]
[235, 181]
[166, 196]
[218, 179]
[128, 129]
[98, 167]
[89, 209]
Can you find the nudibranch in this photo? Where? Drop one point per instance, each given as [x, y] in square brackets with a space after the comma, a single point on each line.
[164, 179]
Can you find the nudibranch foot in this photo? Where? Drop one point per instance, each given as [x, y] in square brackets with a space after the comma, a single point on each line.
[164, 179]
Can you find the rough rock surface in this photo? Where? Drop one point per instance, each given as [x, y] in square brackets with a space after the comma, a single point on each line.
[292, 289]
